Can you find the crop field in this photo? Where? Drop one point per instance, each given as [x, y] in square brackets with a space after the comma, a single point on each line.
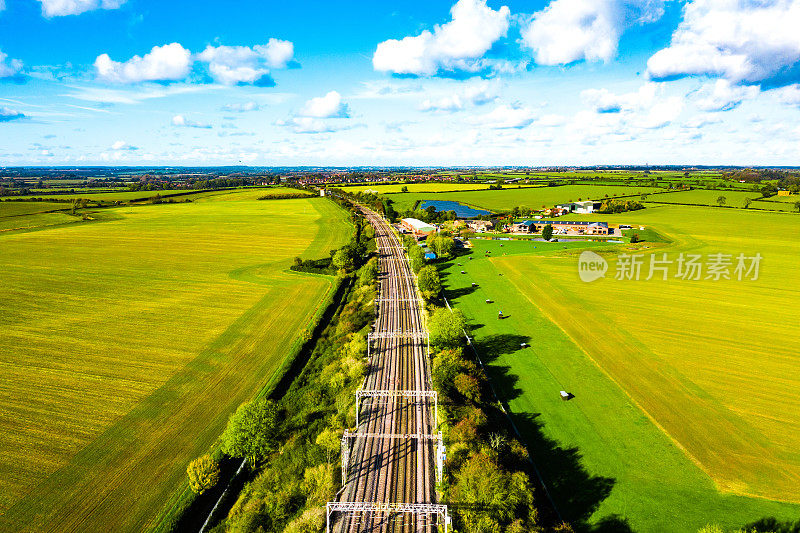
[127, 343]
[113, 196]
[417, 187]
[675, 419]
[532, 197]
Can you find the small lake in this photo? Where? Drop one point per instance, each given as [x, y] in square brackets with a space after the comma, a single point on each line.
[462, 211]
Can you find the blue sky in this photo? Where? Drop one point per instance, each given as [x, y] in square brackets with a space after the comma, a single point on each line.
[472, 82]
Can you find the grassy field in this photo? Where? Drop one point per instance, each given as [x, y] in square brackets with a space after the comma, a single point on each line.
[26, 215]
[532, 197]
[127, 343]
[705, 197]
[676, 420]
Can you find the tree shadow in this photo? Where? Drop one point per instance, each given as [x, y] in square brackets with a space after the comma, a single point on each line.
[455, 294]
[492, 347]
[576, 493]
[772, 525]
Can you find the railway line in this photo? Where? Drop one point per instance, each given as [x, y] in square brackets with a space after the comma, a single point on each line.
[391, 459]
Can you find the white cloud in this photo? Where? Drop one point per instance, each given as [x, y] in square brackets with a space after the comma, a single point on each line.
[550, 121]
[744, 41]
[789, 94]
[447, 104]
[122, 145]
[134, 96]
[60, 8]
[9, 67]
[164, 63]
[7, 115]
[660, 114]
[482, 93]
[476, 94]
[242, 107]
[183, 122]
[701, 121]
[328, 106]
[233, 65]
[228, 65]
[2, 5]
[572, 30]
[506, 116]
[457, 45]
[724, 96]
[602, 100]
[645, 108]
[311, 125]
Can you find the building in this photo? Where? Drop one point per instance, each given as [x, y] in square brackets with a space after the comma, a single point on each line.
[529, 226]
[480, 226]
[565, 227]
[585, 207]
[784, 192]
[417, 227]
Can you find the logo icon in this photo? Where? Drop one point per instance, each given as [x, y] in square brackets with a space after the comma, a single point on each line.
[591, 266]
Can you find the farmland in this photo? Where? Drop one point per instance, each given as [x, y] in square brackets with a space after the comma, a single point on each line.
[127, 343]
[676, 420]
[532, 197]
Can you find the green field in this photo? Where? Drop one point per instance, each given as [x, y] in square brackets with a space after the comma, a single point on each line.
[127, 343]
[531, 197]
[687, 395]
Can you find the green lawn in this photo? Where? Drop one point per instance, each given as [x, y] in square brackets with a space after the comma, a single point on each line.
[127, 343]
[531, 197]
[677, 421]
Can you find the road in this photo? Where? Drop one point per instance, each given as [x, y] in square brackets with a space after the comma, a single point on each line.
[390, 457]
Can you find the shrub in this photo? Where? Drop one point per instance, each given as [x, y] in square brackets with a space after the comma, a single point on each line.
[203, 474]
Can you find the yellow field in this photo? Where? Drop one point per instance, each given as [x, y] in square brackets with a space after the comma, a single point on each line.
[713, 363]
[126, 344]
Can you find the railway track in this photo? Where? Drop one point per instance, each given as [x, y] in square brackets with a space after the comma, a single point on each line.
[389, 459]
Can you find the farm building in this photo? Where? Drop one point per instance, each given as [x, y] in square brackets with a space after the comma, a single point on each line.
[573, 227]
[584, 207]
[784, 192]
[417, 227]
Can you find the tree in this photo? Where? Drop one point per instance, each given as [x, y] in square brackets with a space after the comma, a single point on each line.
[343, 258]
[447, 327]
[442, 245]
[547, 232]
[416, 255]
[251, 431]
[747, 202]
[468, 387]
[329, 440]
[403, 189]
[491, 497]
[447, 364]
[203, 474]
[797, 206]
[429, 283]
[721, 200]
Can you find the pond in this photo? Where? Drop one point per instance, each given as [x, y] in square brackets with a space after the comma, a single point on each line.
[462, 211]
